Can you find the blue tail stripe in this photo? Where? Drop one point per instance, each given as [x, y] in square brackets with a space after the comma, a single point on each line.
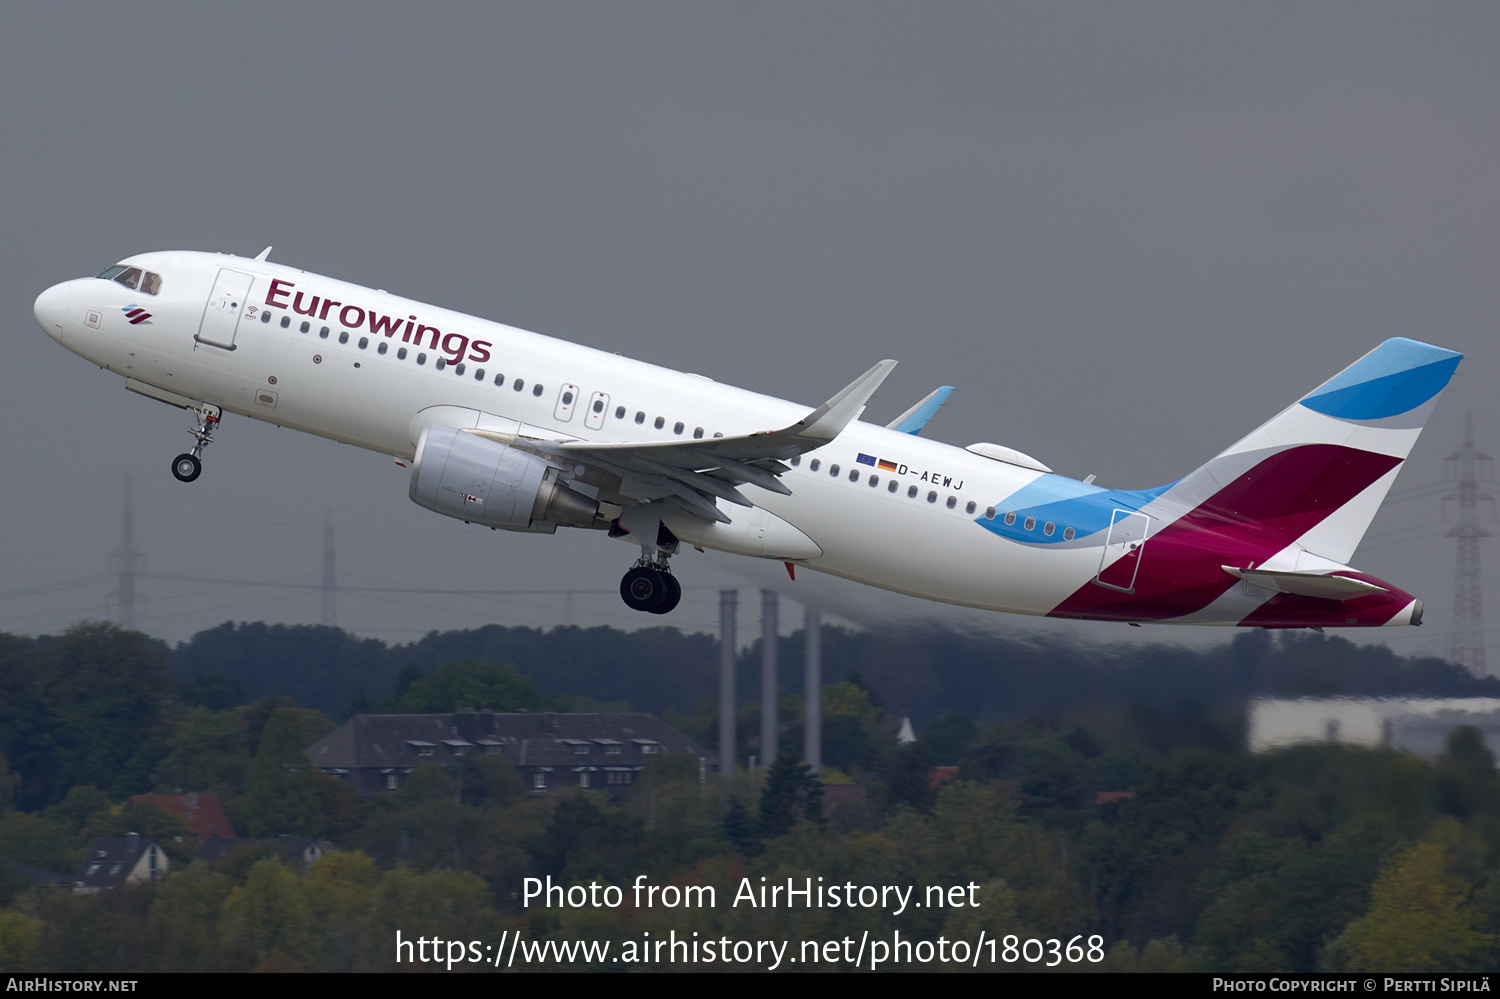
[1394, 378]
[1387, 396]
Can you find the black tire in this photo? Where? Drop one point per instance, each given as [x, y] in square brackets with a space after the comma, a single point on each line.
[673, 595]
[643, 589]
[186, 467]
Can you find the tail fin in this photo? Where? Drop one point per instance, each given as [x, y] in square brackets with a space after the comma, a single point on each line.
[1317, 472]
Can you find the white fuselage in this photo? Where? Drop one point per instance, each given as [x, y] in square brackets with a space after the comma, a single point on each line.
[355, 395]
[1223, 545]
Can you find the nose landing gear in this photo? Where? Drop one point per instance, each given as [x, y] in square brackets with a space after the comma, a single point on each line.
[188, 466]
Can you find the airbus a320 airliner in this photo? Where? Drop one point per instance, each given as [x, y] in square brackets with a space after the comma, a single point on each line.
[520, 432]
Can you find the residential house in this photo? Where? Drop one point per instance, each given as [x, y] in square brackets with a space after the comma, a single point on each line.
[550, 750]
[113, 861]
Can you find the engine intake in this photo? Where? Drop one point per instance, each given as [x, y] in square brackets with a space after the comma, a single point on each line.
[482, 481]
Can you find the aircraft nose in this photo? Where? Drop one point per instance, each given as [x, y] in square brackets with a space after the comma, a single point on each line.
[52, 309]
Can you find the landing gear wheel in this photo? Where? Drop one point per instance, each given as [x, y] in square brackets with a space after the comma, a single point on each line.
[670, 599]
[186, 467]
[644, 589]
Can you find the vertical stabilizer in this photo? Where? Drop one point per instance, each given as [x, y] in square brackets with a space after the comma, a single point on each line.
[1317, 472]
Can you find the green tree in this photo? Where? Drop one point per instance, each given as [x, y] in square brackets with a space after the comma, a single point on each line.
[1465, 782]
[183, 926]
[269, 913]
[587, 837]
[792, 792]
[738, 828]
[488, 781]
[342, 892]
[281, 794]
[1420, 919]
[106, 689]
[469, 683]
[80, 810]
[31, 839]
[20, 935]
[208, 749]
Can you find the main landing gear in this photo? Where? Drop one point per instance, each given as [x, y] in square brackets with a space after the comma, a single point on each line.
[651, 587]
[189, 465]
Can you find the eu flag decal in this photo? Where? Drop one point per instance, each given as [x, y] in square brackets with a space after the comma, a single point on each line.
[866, 459]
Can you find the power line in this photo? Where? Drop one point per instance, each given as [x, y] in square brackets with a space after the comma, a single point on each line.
[330, 584]
[125, 561]
[362, 589]
[1468, 467]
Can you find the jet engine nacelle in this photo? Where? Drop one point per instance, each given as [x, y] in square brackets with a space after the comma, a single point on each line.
[482, 481]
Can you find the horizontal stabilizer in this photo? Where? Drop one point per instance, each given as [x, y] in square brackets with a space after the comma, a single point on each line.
[1307, 584]
[913, 420]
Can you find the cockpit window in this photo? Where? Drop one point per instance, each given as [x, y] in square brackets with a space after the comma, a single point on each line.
[134, 278]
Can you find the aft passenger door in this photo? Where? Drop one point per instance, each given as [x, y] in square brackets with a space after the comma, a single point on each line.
[1121, 561]
[221, 316]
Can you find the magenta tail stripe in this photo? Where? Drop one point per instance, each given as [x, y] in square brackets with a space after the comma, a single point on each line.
[1248, 521]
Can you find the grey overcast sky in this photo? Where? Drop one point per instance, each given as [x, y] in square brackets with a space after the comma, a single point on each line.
[1127, 232]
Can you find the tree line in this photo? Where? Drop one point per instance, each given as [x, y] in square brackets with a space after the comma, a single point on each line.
[1320, 856]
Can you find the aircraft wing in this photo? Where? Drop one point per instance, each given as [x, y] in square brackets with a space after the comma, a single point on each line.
[695, 473]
